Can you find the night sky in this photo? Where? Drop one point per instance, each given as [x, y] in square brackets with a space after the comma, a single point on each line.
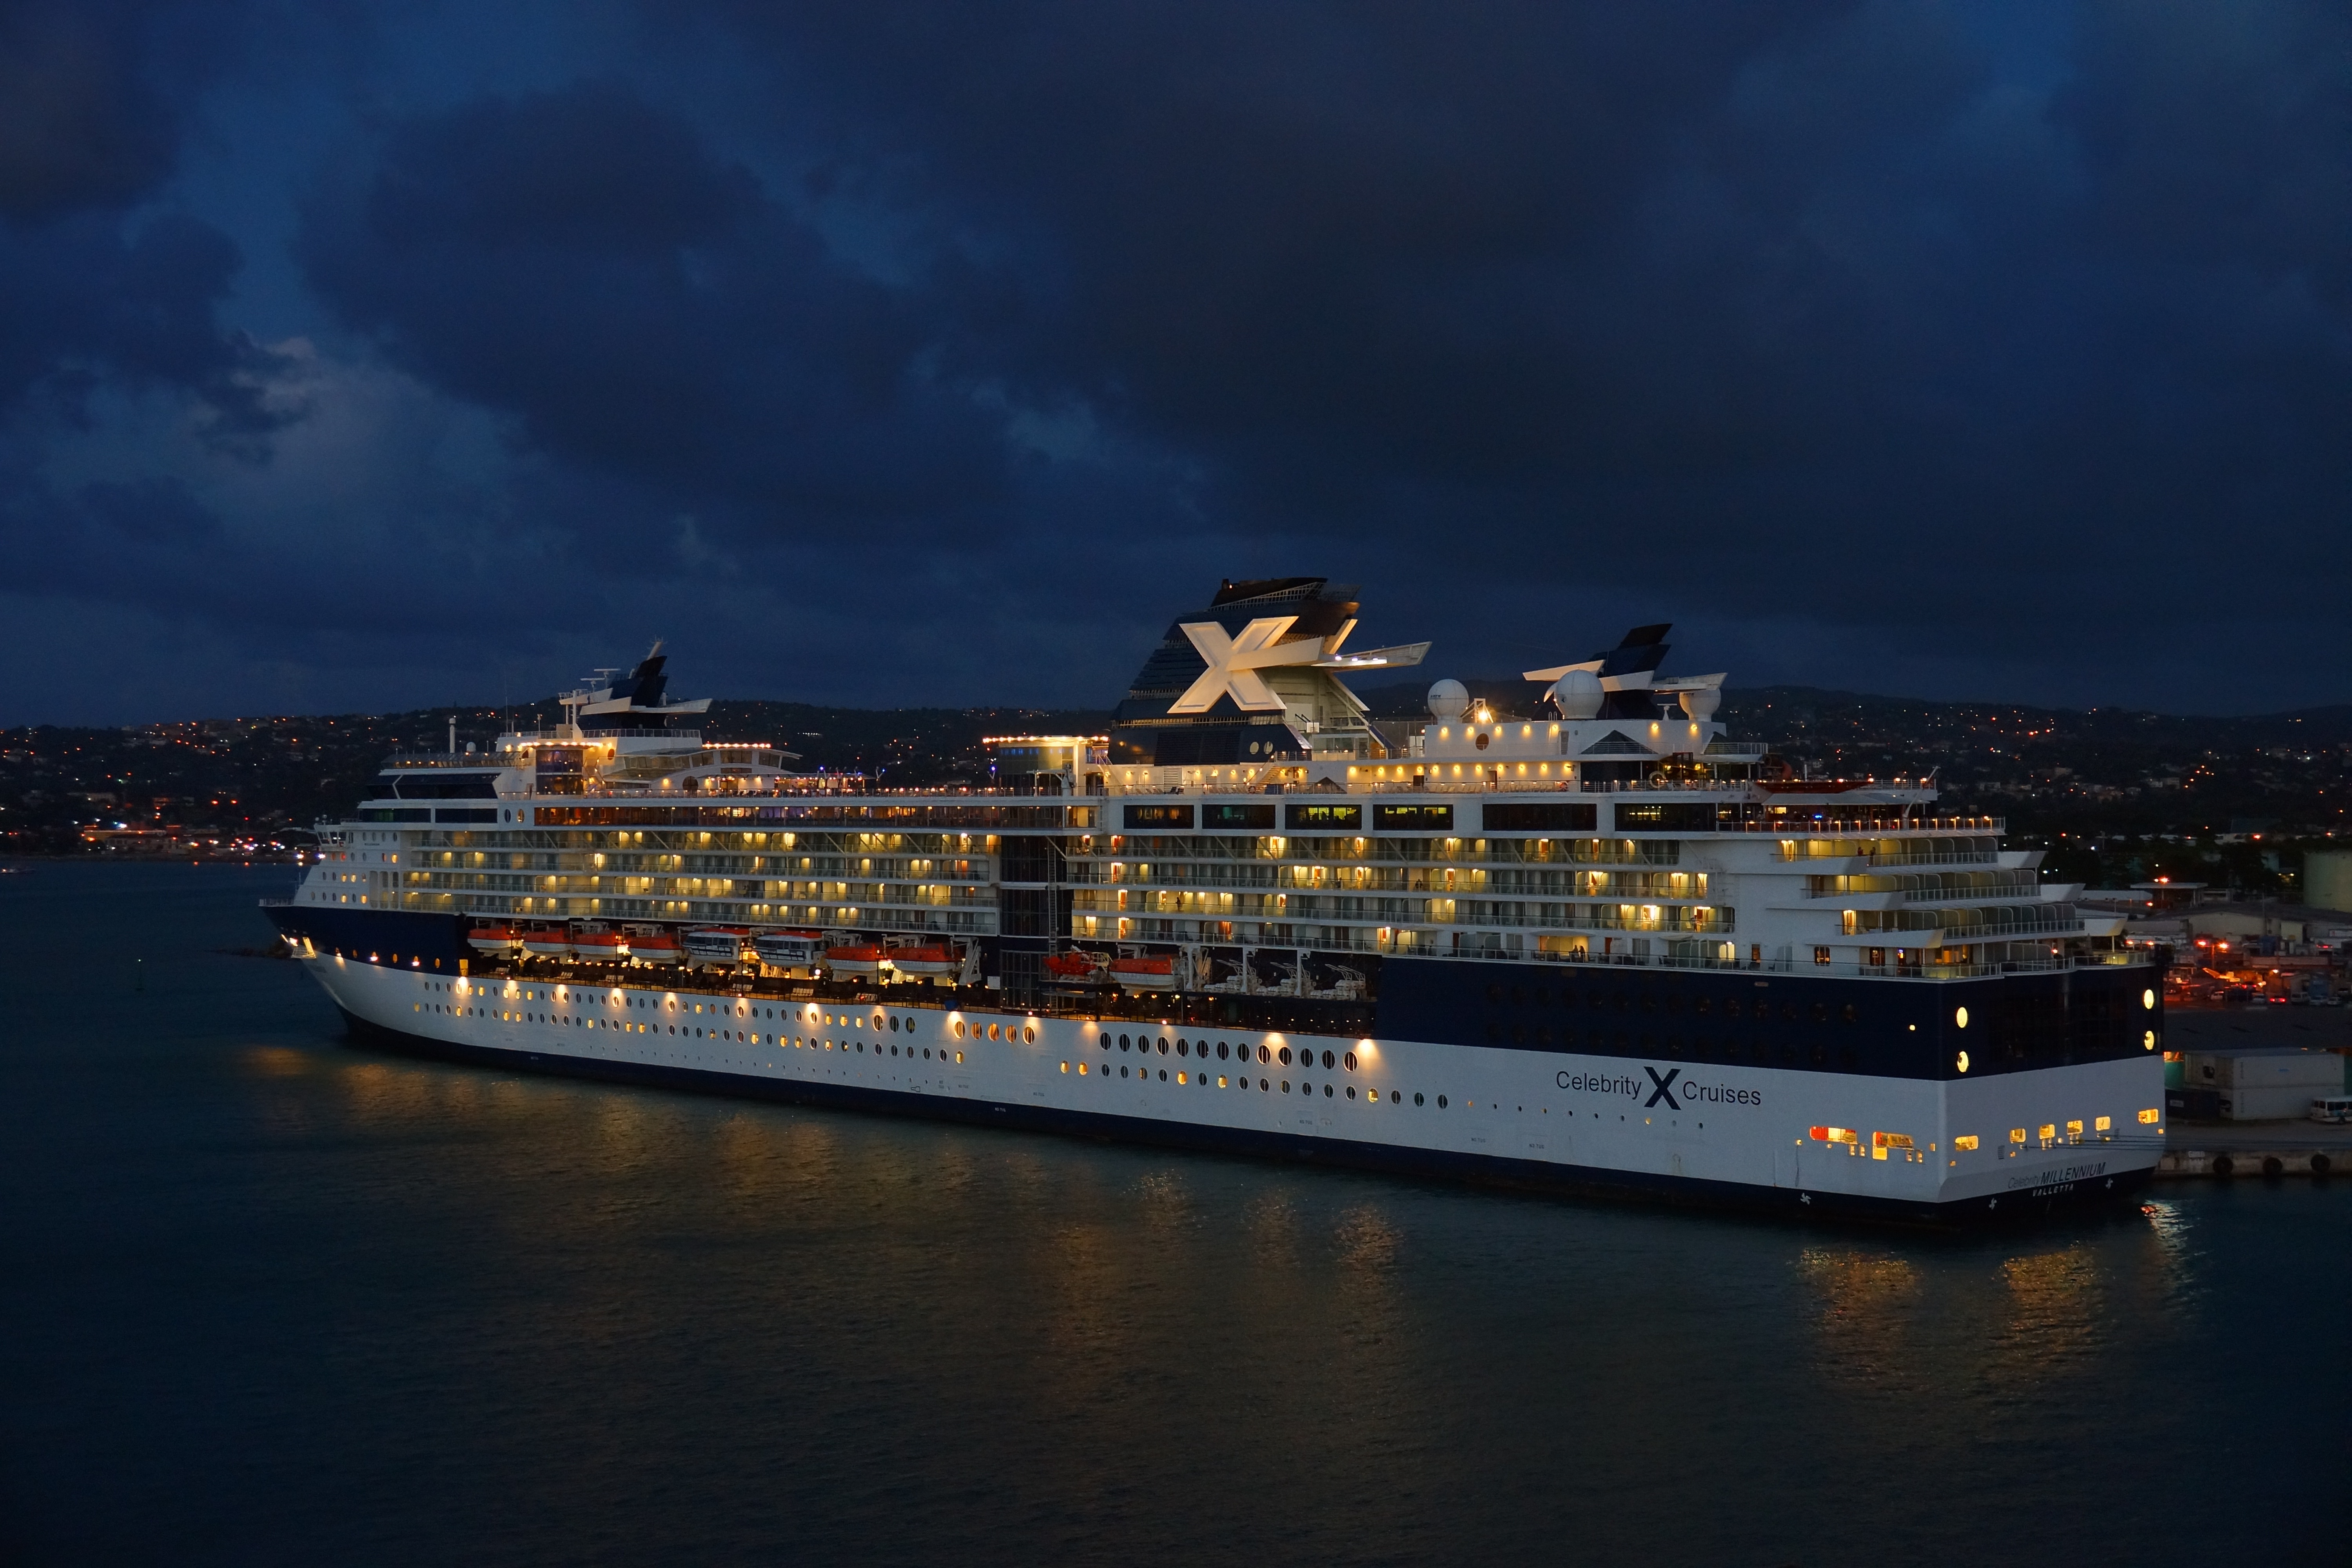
[364, 356]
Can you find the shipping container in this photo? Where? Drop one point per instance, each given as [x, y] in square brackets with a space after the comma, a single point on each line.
[2192, 1105]
[2266, 1104]
[2227, 1071]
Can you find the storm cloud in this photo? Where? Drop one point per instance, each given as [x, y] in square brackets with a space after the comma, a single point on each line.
[911, 352]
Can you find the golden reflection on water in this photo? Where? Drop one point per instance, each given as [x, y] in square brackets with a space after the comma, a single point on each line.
[1870, 1307]
[275, 1061]
[2056, 1318]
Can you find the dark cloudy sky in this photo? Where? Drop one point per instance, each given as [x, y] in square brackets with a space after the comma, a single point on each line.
[364, 356]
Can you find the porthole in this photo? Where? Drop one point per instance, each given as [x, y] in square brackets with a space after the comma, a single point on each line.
[1283, 1054]
[959, 1028]
[1848, 1013]
[1261, 1055]
[1221, 1051]
[1124, 1042]
[1286, 1086]
[991, 1031]
[2148, 1041]
[1263, 1088]
[1029, 1037]
[1122, 1071]
[1416, 1098]
[1180, 1047]
[1351, 1061]
[1327, 1092]
[1441, 1102]
[1329, 1060]
[1352, 1091]
[1961, 1061]
[1163, 1045]
[1103, 1040]
[1959, 1017]
[1396, 1096]
[894, 1023]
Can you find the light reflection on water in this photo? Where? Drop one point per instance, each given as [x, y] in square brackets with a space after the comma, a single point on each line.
[366, 1309]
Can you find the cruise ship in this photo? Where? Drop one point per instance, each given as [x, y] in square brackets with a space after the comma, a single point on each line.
[1573, 937]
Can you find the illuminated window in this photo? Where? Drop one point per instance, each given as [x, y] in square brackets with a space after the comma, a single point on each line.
[1833, 1134]
[2103, 1124]
[2148, 1041]
[1029, 1037]
[1065, 1066]
[2150, 1118]
[1965, 1142]
[2074, 1132]
[2016, 1134]
[1961, 1017]
[2048, 1133]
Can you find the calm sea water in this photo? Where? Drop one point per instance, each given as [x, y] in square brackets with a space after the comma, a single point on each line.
[270, 1299]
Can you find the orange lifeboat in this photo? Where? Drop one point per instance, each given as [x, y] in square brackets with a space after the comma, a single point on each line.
[1071, 968]
[601, 946]
[547, 942]
[860, 961]
[1144, 974]
[658, 948]
[925, 962]
[491, 939]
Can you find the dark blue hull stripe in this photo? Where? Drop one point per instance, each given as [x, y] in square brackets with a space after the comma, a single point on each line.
[1482, 1169]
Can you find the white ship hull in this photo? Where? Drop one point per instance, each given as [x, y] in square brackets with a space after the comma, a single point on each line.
[1710, 1133]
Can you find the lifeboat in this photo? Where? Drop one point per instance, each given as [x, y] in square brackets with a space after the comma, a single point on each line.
[861, 961]
[1144, 974]
[716, 945]
[658, 948]
[602, 946]
[1072, 968]
[491, 939]
[789, 949]
[925, 962]
[548, 942]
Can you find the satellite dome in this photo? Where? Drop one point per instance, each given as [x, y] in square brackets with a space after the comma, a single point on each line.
[1447, 699]
[1578, 693]
[1702, 702]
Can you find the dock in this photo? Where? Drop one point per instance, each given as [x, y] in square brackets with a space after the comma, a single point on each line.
[2226, 1150]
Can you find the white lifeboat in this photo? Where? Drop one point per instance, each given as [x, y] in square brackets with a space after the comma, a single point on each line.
[716, 945]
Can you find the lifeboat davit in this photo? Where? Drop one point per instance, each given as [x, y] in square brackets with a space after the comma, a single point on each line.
[491, 939]
[925, 962]
[860, 961]
[548, 942]
[659, 948]
[605, 946]
[716, 945]
[1144, 974]
[1071, 968]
